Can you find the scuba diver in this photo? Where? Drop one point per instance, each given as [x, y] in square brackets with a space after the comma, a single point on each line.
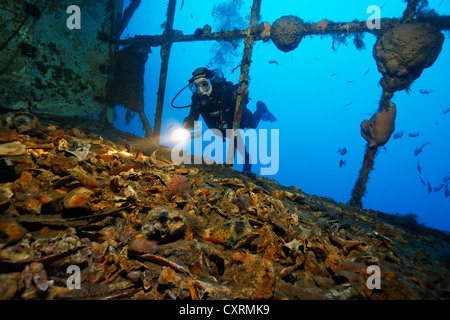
[214, 98]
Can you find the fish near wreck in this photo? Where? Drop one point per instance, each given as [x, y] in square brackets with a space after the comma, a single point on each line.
[438, 188]
[378, 130]
[419, 149]
[419, 168]
[421, 180]
[398, 135]
[342, 151]
[274, 62]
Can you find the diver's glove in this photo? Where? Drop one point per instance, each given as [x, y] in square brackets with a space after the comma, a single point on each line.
[189, 126]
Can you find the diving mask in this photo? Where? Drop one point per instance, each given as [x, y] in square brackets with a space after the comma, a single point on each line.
[200, 86]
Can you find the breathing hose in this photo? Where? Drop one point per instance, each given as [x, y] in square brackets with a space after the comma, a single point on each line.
[176, 107]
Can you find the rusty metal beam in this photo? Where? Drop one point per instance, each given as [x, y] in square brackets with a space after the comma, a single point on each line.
[165, 55]
[244, 77]
[410, 12]
[127, 15]
[245, 64]
[333, 28]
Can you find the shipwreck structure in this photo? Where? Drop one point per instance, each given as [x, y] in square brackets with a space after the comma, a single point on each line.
[129, 223]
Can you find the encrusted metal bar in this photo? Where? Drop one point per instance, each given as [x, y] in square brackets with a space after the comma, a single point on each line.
[409, 13]
[369, 160]
[361, 183]
[245, 69]
[245, 64]
[165, 55]
[440, 22]
[128, 13]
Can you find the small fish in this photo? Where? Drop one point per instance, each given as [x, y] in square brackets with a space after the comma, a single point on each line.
[446, 191]
[342, 163]
[440, 4]
[429, 187]
[421, 180]
[419, 149]
[351, 81]
[398, 135]
[342, 151]
[334, 74]
[126, 145]
[419, 168]
[170, 126]
[437, 188]
[367, 71]
[274, 62]
[383, 5]
[446, 111]
[349, 104]
[192, 17]
[413, 134]
[422, 91]
[446, 179]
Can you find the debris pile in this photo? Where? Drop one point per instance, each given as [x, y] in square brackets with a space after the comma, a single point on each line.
[137, 226]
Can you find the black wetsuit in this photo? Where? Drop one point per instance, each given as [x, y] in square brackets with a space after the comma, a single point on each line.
[218, 109]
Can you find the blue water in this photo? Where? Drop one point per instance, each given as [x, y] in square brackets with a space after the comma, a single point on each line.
[310, 104]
